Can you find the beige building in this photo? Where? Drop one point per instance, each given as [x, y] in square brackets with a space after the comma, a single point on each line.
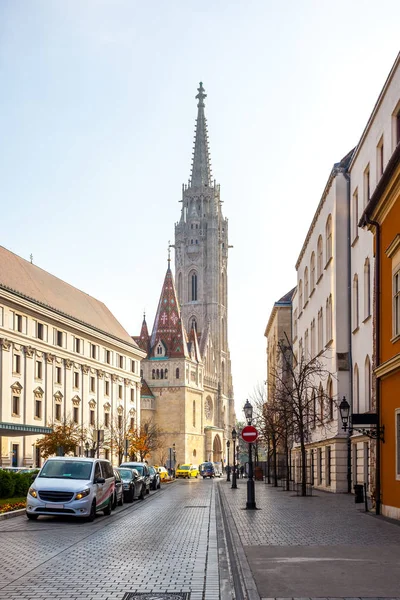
[188, 383]
[63, 355]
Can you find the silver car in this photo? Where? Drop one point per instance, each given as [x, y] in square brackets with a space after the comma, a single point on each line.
[78, 487]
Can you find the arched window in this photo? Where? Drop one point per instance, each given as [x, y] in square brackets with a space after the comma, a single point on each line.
[194, 413]
[328, 231]
[300, 295]
[193, 323]
[356, 313]
[314, 408]
[165, 373]
[321, 403]
[162, 373]
[319, 257]
[312, 272]
[305, 285]
[368, 404]
[153, 374]
[330, 399]
[158, 374]
[329, 319]
[356, 390]
[367, 289]
[177, 374]
[193, 286]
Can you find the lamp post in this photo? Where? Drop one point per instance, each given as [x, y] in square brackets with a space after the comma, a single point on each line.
[86, 449]
[174, 457]
[234, 436]
[251, 498]
[228, 469]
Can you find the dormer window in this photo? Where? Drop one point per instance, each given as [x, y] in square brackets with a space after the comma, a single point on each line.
[160, 350]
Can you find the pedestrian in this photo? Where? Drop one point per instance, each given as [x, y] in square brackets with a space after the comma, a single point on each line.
[242, 471]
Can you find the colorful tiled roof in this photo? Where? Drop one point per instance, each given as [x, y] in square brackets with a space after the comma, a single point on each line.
[143, 340]
[168, 327]
[145, 391]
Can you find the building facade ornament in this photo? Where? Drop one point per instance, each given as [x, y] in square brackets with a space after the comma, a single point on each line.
[85, 369]
[16, 388]
[5, 344]
[68, 363]
[50, 357]
[100, 373]
[76, 400]
[128, 382]
[114, 378]
[92, 404]
[120, 409]
[38, 393]
[107, 407]
[58, 397]
[29, 351]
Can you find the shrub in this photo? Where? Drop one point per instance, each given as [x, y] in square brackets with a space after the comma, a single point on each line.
[7, 484]
[23, 481]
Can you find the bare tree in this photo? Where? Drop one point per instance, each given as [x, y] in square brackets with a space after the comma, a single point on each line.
[119, 435]
[97, 441]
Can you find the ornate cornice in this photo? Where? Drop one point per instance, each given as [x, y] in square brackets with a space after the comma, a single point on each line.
[38, 393]
[92, 404]
[100, 373]
[50, 358]
[85, 369]
[76, 400]
[16, 388]
[58, 397]
[68, 363]
[29, 351]
[5, 344]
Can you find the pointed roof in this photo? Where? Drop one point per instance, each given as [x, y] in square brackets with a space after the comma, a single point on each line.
[145, 391]
[143, 340]
[168, 327]
[201, 168]
[194, 345]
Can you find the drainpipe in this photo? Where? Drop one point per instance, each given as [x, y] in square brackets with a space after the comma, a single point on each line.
[377, 293]
[349, 311]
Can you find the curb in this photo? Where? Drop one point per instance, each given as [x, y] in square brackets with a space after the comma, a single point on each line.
[12, 514]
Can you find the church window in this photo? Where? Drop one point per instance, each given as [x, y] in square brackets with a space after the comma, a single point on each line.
[177, 374]
[191, 227]
[141, 372]
[153, 374]
[191, 241]
[319, 257]
[197, 226]
[193, 324]
[197, 241]
[193, 289]
[158, 374]
[162, 373]
[166, 374]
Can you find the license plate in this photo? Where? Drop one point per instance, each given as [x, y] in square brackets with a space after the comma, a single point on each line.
[55, 506]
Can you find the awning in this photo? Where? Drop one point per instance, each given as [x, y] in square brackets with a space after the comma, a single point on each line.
[15, 429]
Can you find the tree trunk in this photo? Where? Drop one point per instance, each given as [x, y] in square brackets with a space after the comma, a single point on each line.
[275, 461]
[303, 469]
[287, 466]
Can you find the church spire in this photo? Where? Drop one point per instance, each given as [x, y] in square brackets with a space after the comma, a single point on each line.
[201, 168]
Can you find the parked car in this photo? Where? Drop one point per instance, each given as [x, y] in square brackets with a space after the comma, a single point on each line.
[187, 471]
[207, 470]
[78, 487]
[143, 470]
[133, 484]
[155, 481]
[217, 470]
[163, 473]
[119, 489]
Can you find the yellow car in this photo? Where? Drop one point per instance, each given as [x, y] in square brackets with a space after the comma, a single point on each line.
[163, 473]
[187, 471]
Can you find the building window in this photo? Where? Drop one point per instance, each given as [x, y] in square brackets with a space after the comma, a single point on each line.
[356, 313]
[75, 414]
[15, 406]
[320, 330]
[356, 390]
[328, 231]
[396, 303]
[320, 257]
[368, 384]
[319, 461]
[19, 323]
[295, 324]
[312, 272]
[91, 417]
[193, 288]
[132, 395]
[58, 374]
[120, 422]
[93, 351]
[312, 334]
[39, 369]
[329, 327]
[306, 344]
[328, 465]
[40, 331]
[78, 345]
[76, 379]
[379, 159]
[106, 388]
[38, 409]
[132, 424]
[177, 374]
[106, 419]
[92, 384]
[17, 364]
[306, 285]
[367, 186]
[120, 392]
[58, 412]
[121, 362]
[330, 400]
[107, 356]
[133, 366]
[314, 409]
[300, 295]
[367, 289]
[355, 215]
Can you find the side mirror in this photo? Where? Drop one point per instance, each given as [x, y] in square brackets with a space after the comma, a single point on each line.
[100, 480]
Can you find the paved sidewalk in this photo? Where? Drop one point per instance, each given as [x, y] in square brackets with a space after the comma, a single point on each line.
[321, 546]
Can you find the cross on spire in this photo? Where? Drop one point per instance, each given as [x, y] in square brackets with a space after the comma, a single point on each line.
[201, 95]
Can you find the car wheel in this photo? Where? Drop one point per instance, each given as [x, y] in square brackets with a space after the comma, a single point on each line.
[92, 514]
[108, 508]
[32, 517]
[159, 485]
[121, 500]
[142, 494]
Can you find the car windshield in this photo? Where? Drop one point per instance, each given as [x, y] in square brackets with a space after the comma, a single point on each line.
[65, 469]
[152, 470]
[184, 468]
[126, 473]
[139, 468]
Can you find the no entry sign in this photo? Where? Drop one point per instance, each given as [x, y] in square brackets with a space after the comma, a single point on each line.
[249, 434]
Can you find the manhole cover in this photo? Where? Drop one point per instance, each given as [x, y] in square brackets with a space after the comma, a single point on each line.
[156, 596]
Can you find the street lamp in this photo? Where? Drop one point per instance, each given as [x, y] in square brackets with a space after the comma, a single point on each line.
[251, 497]
[228, 477]
[368, 422]
[234, 436]
[174, 456]
[87, 449]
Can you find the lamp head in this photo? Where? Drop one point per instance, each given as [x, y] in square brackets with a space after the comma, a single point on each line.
[248, 411]
[344, 409]
[234, 434]
[228, 443]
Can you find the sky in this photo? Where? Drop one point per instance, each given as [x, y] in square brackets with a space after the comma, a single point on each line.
[97, 115]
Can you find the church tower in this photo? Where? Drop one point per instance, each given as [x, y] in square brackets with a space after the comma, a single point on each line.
[201, 267]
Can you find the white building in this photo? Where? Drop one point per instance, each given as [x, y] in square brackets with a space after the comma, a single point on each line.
[63, 355]
[321, 329]
[369, 160]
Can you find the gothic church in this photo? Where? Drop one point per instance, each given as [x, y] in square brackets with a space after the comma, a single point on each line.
[186, 376]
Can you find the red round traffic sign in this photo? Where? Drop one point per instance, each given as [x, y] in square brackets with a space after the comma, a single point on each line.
[249, 434]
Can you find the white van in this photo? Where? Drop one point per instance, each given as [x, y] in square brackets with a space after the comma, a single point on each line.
[78, 487]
